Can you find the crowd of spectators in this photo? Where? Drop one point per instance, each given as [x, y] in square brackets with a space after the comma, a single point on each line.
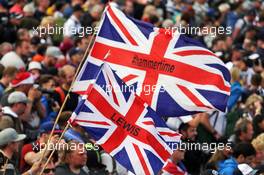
[42, 43]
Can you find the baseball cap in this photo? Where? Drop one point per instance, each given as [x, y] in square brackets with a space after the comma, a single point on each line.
[17, 97]
[22, 78]
[70, 134]
[10, 135]
[34, 65]
[246, 169]
[74, 51]
[46, 127]
[54, 52]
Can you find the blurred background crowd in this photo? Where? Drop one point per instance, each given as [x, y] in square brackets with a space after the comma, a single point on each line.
[38, 62]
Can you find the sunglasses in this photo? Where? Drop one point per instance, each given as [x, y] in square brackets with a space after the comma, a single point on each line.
[47, 170]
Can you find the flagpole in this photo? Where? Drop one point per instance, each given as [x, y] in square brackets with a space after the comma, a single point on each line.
[68, 93]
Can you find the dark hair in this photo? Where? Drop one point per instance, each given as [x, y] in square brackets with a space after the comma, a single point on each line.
[256, 80]
[183, 127]
[245, 149]
[241, 126]
[257, 119]
[19, 43]
[45, 78]
[10, 71]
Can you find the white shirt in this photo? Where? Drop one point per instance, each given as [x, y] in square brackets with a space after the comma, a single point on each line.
[71, 27]
[12, 59]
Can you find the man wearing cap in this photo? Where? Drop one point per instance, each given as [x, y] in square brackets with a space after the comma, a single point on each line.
[9, 147]
[11, 114]
[32, 152]
[34, 68]
[52, 55]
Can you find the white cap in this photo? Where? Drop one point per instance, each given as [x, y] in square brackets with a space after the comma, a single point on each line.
[54, 51]
[17, 97]
[246, 169]
[34, 65]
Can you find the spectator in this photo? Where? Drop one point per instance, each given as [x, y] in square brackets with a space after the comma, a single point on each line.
[243, 153]
[23, 35]
[253, 106]
[8, 75]
[193, 158]
[236, 89]
[51, 57]
[9, 147]
[66, 75]
[218, 158]
[42, 6]
[12, 114]
[35, 69]
[82, 43]
[47, 85]
[22, 82]
[76, 56]
[242, 25]
[32, 152]
[258, 125]
[72, 25]
[243, 131]
[17, 58]
[73, 161]
[258, 144]
[5, 47]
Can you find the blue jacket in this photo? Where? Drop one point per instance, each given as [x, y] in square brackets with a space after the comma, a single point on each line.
[228, 167]
[236, 92]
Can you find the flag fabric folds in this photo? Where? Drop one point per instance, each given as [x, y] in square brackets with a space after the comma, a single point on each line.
[174, 74]
[124, 125]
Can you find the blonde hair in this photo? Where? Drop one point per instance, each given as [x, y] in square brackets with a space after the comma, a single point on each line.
[252, 99]
[47, 21]
[258, 142]
[235, 74]
[217, 156]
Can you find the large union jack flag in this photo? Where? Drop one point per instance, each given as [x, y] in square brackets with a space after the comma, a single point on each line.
[124, 125]
[174, 74]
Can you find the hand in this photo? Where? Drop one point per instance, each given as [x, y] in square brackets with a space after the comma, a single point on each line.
[216, 135]
[34, 94]
[36, 167]
[56, 106]
[54, 139]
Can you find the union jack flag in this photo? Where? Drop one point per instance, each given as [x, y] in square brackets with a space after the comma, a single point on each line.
[170, 168]
[174, 74]
[124, 125]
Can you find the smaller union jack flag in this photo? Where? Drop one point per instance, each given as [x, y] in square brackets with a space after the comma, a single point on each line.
[170, 168]
[124, 125]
